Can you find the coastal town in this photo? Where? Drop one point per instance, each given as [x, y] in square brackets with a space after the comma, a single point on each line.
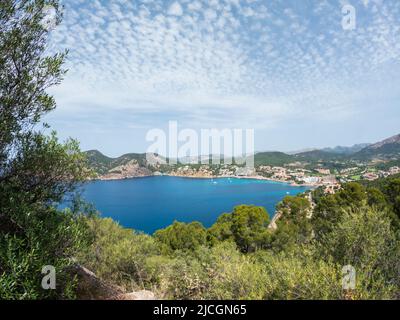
[295, 173]
[331, 179]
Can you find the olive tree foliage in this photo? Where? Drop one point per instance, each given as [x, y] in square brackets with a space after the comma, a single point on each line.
[365, 239]
[36, 171]
[26, 72]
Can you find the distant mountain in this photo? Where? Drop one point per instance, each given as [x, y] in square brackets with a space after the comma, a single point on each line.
[388, 149]
[347, 150]
[315, 152]
[385, 149]
[301, 151]
[317, 155]
[395, 140]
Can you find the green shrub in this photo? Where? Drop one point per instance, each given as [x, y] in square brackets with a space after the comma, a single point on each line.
[121, 256]
[296, 275]
[246, 225]
[365, 239]
[221, 272]
[182, 236]
[53, 241]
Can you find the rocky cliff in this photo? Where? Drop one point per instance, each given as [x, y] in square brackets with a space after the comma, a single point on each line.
[132, 169]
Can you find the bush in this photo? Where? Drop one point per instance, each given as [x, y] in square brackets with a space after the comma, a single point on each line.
[53, 241]
[365, 239]
[121, 256]
[297, 275]
[221, 272]
[182, 236]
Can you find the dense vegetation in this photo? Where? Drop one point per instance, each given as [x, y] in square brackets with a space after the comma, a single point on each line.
[36, 171]
[239, 257]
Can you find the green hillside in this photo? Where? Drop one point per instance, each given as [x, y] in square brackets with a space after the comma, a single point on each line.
[102, 164]
[273, 159]
[319, 155]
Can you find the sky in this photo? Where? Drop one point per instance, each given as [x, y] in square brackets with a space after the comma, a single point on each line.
[287, 69]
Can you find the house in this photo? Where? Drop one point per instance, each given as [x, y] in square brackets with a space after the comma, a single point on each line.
[370, 176]
[394, 170]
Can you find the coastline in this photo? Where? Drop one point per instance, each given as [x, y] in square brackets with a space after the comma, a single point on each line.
[254, 177]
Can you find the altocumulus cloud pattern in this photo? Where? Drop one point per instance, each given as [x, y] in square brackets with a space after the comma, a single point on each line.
[228, 62]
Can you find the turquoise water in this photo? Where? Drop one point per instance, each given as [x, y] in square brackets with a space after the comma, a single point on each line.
[149, 204]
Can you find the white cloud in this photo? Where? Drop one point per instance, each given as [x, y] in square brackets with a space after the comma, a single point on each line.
[195, 6]
[365, 3]
[175, 9]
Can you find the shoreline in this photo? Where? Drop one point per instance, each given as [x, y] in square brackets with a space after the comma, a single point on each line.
[214, 177]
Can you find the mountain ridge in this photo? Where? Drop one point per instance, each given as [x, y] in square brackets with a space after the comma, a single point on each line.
[386, 149]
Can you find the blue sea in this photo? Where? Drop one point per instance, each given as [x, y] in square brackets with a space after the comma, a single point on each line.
[149, 204]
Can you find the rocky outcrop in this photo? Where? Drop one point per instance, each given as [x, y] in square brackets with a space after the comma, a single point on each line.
[272, 225]
[90, 287]
[132, 169]
[138, 295]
